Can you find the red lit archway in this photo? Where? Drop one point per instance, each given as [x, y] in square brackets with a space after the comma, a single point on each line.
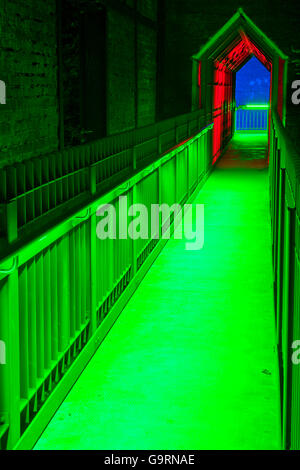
[214, 69]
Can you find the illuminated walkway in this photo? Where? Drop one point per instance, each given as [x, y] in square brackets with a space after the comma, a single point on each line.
[190, 363]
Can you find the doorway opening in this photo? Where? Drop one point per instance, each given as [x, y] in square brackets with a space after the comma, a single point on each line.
[252, 98]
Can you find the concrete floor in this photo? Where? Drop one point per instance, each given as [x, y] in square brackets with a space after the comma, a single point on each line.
[190, 363]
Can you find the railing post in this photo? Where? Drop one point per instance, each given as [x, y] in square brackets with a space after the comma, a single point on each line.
[160, 201]
[63, 293]
[188, 169]
[92, 175]
[175, 176]
[13, 358]
[134, 159]
[288, 286]
[199, 157]
[11, 221]
[196, 143]
[93, 279]
[134, 248]
[159, 145]
[209, 147]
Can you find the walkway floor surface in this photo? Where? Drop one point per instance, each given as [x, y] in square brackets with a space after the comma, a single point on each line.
[190, 363]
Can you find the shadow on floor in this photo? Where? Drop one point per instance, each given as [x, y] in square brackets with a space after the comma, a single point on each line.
[246, 150]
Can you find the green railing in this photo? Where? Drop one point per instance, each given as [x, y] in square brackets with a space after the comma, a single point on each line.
[61, 292]
[252, 118]
[285, 213]
[36, 192]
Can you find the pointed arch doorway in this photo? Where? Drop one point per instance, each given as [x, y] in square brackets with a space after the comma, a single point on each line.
[214, 75]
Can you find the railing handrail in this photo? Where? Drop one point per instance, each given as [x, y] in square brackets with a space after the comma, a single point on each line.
[69, 284]
[139, 130]
[34, 188]
[292, 155]
[256, 107]
[251, 118]
[76, 217]
[156, 126]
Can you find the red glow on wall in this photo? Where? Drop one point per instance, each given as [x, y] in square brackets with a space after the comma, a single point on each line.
[270, 112]
[229, 62]
[222, 108]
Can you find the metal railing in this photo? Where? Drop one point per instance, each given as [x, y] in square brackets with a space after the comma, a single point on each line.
[285, 216]
[61, 292]
[40, 189]
[252, 118]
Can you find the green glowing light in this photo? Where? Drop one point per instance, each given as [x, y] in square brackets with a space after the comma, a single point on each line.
[248, 136]
[255, 106]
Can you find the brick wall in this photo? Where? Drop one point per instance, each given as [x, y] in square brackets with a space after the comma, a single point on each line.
[29, 122]
[131, 69]
[146, 104]
[120, 72]
[28, 65]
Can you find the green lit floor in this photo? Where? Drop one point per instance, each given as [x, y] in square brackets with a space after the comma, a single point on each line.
[246, 150]
[190, 363]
